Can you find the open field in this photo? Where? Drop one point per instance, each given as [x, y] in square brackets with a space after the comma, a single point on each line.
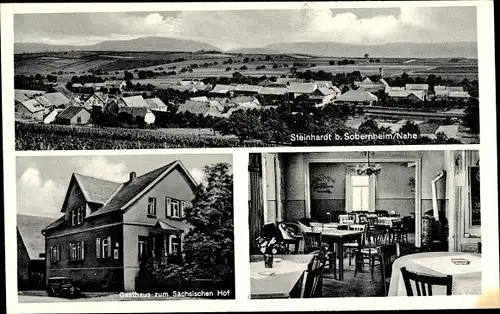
[212, 64]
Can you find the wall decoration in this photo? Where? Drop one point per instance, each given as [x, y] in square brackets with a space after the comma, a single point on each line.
[323, 184]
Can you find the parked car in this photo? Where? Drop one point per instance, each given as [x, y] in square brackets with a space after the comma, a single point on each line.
[62, 287]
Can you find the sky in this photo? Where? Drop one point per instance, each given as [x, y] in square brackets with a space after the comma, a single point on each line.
[255, 28]
[42, 181]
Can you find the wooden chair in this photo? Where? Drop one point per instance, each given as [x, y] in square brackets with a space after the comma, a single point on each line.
[312, 241]
[388, 254]
[362, 219]
[312, 279]
[369, 254]
[399, 232]
[422, 281]
[372, 223]
[351, 247]
[291, 234]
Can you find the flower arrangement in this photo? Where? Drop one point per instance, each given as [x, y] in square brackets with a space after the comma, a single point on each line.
[269, 246]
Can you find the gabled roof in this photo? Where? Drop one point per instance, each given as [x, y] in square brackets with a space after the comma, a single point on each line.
[367, 81]
[357, 95]
[134, 101]
[286, 80]
[336, 89]
[200, 98]
[304, 88]
[327, 84]
[76, 85]
[63, 90]
[95, 190]
[70, 112]
[417, 86]
[33, 105]
[116, 84]
[56, 223]
[240, 100]
[28, 93]
[456, 88]
[223, 89]
[323, 91]
[453, 94]
[57, 99]
[428, 128]
[201, 107]
[451, 131]
[406, 93]
[383, 82]
[44, 101]
[154, 103]
[273, 91]
[440, 88]
[247, 88]
[265, 82]
[135, 111]
[129, 192]
[30, 229]
[20, 96]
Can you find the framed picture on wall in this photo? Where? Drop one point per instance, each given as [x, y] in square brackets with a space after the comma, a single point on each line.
[474, 196]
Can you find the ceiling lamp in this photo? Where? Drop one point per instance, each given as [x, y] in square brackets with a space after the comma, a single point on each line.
[368, 169]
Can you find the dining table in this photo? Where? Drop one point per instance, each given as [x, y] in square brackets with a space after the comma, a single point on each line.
[388, 221]
[282, 280]
[466, 279]
[338, 238]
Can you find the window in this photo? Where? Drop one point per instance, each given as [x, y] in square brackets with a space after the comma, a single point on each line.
[174, 245]
[174, 208]
[152, 206]
[77, 216]
[55, 254]
[76, 191]
[103, 247]
[78, 120]
[360, 192]
[76, 251]
[142, 249]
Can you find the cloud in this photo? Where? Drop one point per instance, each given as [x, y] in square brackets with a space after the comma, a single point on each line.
[100, 167]
[197, 174]
[255, 28]
[38, 196]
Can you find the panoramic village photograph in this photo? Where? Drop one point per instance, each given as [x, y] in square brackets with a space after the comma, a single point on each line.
[125, 228]
[246, 78]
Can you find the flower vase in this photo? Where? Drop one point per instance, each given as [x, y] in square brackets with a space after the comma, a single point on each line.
[268, 260]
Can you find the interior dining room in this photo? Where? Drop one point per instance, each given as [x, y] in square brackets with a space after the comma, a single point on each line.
[364, 224]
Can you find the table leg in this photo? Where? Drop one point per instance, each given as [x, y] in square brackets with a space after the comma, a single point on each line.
[341, 259]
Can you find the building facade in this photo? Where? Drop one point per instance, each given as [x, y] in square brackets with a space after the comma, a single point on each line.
[109, 228]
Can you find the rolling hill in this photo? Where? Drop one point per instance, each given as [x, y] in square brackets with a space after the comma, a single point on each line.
[138, 44]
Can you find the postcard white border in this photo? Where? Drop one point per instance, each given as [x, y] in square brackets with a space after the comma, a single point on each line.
[488, 157]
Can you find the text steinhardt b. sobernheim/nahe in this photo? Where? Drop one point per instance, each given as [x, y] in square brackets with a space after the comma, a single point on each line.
[352, 137]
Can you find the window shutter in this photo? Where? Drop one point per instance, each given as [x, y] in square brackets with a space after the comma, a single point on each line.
[83, 249]
[98, 247]
[109, 247]
[69, 251]
[168, 204]
[183, 207]
[58, 253]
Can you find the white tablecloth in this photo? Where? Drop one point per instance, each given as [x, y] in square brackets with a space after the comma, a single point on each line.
[466, 278]
[388, 221]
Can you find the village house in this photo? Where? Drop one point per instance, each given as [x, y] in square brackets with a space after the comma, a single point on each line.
[156, 104]
[97, 99]
[25, 94]
[108, 228]
[116, 86]
[205, 108]
[221, 90]
[357, 96]
[265, 82]
[132, 101]
[285, 81]
[54, 100]
[323, 96]
[296, 89]
[31, 251]
[29, 109]
[245, 89]
[142, 113]
[273, 93]
[73, 115]
[415, 96]
[372, 87]
[419, 87]
[450, 92]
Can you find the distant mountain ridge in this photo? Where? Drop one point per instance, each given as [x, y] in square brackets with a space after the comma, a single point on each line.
[330, 49]
[139, 44]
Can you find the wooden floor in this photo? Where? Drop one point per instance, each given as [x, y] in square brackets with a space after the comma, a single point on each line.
[359, 286]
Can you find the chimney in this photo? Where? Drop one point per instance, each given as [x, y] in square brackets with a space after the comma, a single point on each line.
[132, 176]
[381, 72]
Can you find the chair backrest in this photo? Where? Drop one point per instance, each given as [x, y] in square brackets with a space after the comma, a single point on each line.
[372, 221]
[311, 282]
[312, 240]
[362, 219]
[351, 217]
[388, 254]
[376, 238]
[289, 230]
[424, 283]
